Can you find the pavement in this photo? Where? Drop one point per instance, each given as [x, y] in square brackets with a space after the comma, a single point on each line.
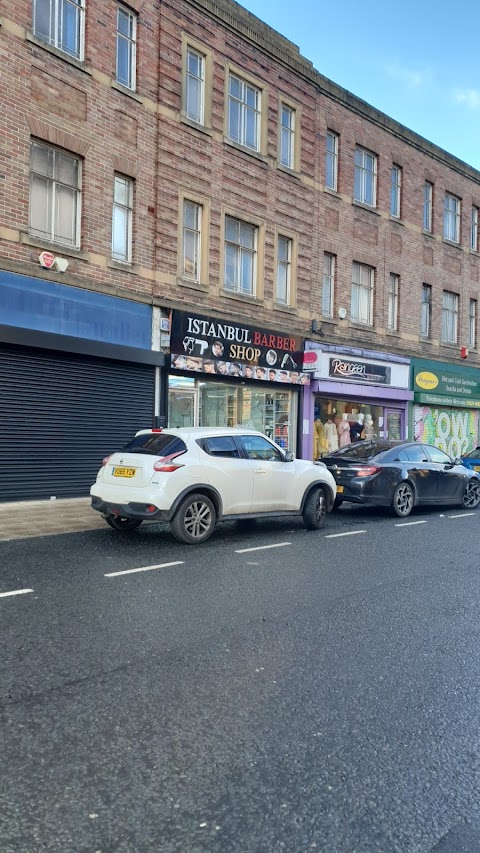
[26, 519]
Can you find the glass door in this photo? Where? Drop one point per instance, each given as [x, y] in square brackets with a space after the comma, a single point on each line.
[394, 424]
[182, 406]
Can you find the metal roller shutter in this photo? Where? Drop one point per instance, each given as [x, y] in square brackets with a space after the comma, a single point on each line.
[60, 414]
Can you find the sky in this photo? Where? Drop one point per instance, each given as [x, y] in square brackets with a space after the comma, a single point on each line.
[419, 62]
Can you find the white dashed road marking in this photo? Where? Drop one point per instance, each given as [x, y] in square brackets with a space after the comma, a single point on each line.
[15, 592]
[409, 523]
[262, 548]
[144, 569]
[348, 533]
[461, 515]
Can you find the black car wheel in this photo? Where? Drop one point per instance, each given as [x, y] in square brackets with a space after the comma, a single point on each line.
[119, 523]
[471, 498]
[315, 510]
[403, 500]
[194, 520]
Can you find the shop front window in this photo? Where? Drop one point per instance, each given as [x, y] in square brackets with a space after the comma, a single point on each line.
[269, 412]
[338, 423]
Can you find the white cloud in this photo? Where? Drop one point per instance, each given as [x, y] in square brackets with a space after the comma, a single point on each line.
[469, 97]
[413, 79]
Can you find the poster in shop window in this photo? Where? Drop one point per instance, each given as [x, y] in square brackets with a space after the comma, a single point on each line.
[455, 431]
[234, 350]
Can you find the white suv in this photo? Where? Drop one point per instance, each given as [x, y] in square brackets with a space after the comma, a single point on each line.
[196, 477]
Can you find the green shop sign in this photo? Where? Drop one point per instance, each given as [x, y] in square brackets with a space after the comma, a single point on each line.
[441, 384]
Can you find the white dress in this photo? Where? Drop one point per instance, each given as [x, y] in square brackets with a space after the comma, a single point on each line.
[331, 435]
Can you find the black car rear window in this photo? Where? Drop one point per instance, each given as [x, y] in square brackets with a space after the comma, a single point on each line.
[364, 449]
[156, 444]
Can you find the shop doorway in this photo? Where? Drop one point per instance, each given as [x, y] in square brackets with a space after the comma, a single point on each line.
[182, 407]
[394, 424]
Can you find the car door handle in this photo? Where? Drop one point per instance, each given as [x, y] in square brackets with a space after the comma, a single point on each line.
[260, 470]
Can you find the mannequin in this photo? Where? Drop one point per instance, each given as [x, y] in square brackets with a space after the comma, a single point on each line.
[320, 446]
[344, 431]
[368, 431]
[356, 428]
[331, 435]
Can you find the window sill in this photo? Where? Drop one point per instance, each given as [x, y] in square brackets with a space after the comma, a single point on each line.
[60, 54]
[363, 326]
[425, 340]
[397, 219]
[449, 345]
[451, 243]
[125, 91]
[257, 155]
[363, 206]
[124, 266]
[429, 234]
[294, 173]
[475, 253]
[332, 192]
[202, 128]
[328, 321]
[393, 333]
[57, 248]
[192, 285]
[285, 309]
[241, 297]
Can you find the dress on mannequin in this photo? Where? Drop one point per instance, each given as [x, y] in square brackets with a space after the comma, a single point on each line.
[331, 436]
[368, 431]
[356, 428]
[320, 442]
[344, 432]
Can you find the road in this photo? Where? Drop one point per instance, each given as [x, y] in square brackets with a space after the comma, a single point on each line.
[319, 695]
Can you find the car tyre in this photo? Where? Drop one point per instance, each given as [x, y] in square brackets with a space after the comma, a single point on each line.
[120, 523]
[194, 520]
[471, 498]
[403, 499]
[315, 509]
[337, 503]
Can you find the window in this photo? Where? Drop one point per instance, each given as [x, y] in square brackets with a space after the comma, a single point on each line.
[428, 206]
[126, 47]
[414, 453]
[122, 219]
[243, 113]
[257, 447]
[472, 323]
[240, 255]
[393, 288]
[395, 191]
[474, 230]
[362, 294]
[60, 24]
[438, 456]
[426, 318]
[449, 317]
[284, 269]
[221, 445]
[55, 180]
[328, 284]
[331, 165]
[365, 177]
[287, 137]
[451, 218]
[195, 86]
[192, 224]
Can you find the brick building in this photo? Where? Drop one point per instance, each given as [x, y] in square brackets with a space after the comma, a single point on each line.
[189, 176]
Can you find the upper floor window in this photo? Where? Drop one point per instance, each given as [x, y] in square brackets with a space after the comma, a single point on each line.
[328, 284]
[426, 317]
[362, 294]
[331, 161]
[243, 113]
[395, 191]
[472, 323]
[192, 229]
[122, 219]
[450, 317]
[451, 218]
[428, 206]
[195, 86]
[60, 23]
[284, 270]
[365, 177]
[474, 230]
[240, 255]
[393, 294]
[55, 194]
[287, 136]
[126, 47]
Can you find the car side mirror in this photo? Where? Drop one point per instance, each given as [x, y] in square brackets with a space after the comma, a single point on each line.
[450, 464]
[289, 457]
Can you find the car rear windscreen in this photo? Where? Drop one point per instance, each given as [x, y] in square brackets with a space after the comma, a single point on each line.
[365, 449]
[156, 444]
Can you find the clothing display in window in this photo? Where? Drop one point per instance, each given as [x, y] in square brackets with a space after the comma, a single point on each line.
[331, 436]
[320, 442]
[356, 428]
[344, 431]
[368, 429]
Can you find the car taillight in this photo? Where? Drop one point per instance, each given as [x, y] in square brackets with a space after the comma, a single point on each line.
[105, 460]
[167, 465]
[366, 471]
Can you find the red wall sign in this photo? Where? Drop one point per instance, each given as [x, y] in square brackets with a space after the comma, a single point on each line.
[47, 260]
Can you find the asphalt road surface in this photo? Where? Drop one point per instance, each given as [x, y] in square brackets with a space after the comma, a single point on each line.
[318, 695]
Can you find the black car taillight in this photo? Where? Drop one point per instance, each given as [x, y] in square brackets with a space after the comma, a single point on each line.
[367, 471]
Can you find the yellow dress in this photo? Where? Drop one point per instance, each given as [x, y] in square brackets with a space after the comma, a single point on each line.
[320, 444]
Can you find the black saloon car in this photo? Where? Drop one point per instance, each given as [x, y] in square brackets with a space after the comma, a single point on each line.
[401, 475]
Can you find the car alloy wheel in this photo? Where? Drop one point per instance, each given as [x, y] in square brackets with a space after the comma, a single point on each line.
[315, 509]
[471, 498]
[194, 520]
[403, 500]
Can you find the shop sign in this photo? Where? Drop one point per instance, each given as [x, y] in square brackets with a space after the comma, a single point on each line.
[451, 384]
[208, 345]
[359, 371]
